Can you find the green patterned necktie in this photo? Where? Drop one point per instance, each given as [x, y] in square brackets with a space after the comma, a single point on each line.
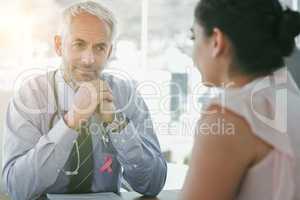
[82, 182]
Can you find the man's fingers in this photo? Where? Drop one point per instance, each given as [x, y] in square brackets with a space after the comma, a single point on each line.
[99, 89]
[104, 86]
[101, 86]
[105, 96]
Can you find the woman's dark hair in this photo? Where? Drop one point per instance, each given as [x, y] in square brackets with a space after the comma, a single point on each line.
[261, 32]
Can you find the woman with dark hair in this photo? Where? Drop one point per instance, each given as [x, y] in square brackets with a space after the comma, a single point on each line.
[247, 143]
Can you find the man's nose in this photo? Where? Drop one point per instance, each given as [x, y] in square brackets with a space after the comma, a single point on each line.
[88, 57]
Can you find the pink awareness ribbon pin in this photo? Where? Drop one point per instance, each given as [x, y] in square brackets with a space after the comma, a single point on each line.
[107, 165]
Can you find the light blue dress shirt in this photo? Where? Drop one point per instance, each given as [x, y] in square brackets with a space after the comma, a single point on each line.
[34, 156]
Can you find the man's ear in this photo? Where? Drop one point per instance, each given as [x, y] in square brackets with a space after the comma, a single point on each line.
[219, 42]
[58, 45]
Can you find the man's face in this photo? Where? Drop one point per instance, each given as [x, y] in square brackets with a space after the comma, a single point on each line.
[85, 47]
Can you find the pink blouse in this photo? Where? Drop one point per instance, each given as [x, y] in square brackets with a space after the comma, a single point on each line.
[271, 106]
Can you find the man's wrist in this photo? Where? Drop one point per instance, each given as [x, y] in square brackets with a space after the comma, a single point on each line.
[71, 121]
[119, 123]
[108, 116]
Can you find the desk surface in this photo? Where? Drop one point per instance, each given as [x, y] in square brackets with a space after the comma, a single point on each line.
[164, 195]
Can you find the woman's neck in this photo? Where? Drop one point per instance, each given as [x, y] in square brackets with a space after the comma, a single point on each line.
[237, 81]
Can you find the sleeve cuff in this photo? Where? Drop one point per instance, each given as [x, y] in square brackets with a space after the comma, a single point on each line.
[62, 135]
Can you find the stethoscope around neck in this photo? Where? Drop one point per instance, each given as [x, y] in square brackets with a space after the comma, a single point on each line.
[59, 114]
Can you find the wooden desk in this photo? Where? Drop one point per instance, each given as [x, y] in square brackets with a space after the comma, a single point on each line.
[164, 195]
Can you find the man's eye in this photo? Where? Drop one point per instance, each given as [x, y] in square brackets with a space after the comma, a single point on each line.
[100, 48]
[78, 45]
[192, 37]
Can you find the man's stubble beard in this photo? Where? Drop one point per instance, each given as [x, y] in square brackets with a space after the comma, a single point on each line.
[71, 80]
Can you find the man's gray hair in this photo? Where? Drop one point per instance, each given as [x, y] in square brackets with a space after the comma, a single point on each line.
[92, 8]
